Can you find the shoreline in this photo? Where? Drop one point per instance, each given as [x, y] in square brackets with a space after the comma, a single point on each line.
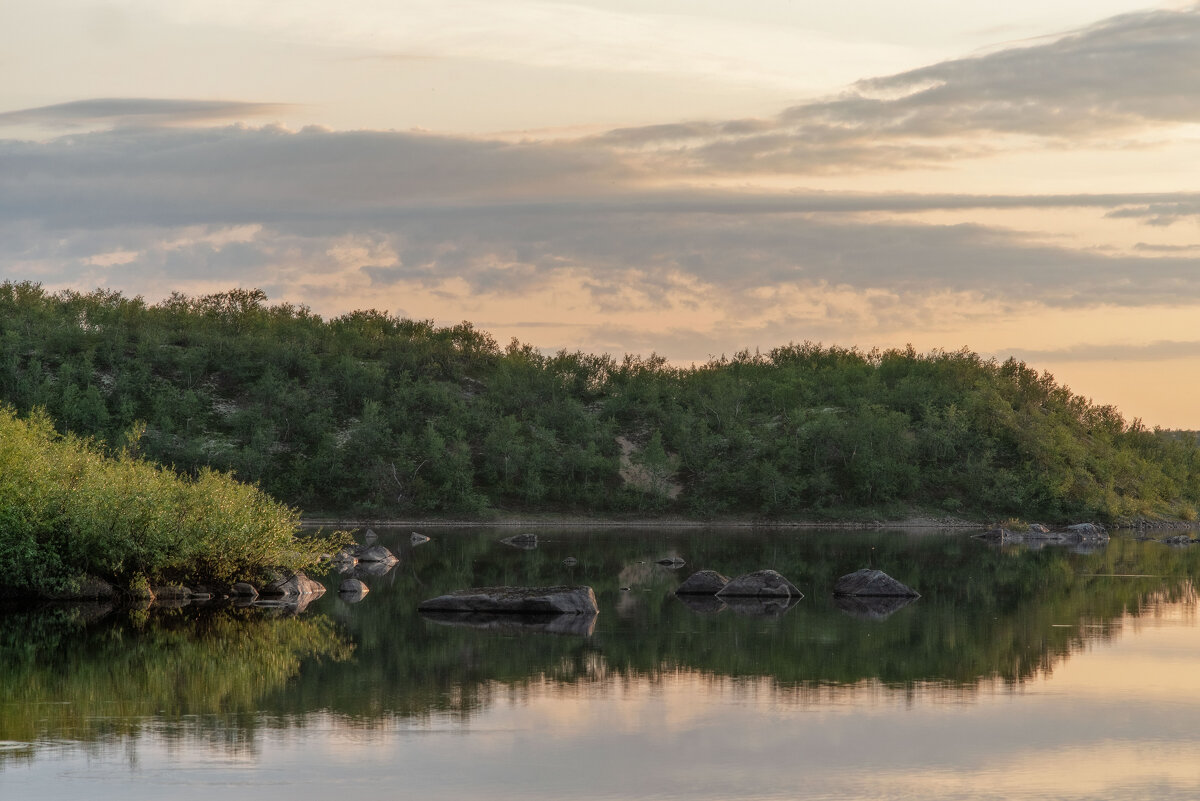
[570, 521]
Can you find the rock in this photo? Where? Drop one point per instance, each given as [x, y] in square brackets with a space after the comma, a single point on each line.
[1177, 539]
[1087, 530]
[295, 586]
[867, 582]
[673, 562]
[702, 582]
[526, 542]
[1038, 528]
[418, 539]
[353, 590]
[575, 625]
[170, 592]
[516, 600]
[877, 607]
[570, 561]
[345, 557]
[373, 553]
[369, 536]
[760, 583]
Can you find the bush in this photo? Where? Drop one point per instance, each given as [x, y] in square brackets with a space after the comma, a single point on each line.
[67, 509]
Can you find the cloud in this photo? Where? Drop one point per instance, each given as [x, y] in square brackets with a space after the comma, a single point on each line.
[125, 111]
[1121, 77]
[1091, 352]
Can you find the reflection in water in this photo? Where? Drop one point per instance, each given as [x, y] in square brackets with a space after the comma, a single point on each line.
[576, 625]
[954, 696]
[872, 607]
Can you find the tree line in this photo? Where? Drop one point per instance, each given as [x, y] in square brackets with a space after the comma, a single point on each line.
[371, 414]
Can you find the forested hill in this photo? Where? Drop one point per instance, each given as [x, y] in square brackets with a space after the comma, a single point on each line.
[369, 414]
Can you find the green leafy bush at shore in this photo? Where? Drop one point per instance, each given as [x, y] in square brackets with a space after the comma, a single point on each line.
[370, 414]
[67, 509]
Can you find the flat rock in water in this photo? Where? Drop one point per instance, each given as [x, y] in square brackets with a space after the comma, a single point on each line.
[766, 583]
[516, 600]
[373, 553]
[702, 582]
[868, 582]
[295, 586]
[418, 539]
[526, 542]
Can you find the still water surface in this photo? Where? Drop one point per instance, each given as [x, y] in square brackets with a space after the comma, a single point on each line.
[1020, 673]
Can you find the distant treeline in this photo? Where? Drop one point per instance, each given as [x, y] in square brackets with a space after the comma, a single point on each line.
[370, 414]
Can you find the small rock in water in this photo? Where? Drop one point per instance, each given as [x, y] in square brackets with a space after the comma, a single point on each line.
[354, 589]
[868, 583]
[570, 561]
[703, 582]
[526, 542]
[761, 583]
[418, 539]
[673, 562]
[369, 536]
[244, 590]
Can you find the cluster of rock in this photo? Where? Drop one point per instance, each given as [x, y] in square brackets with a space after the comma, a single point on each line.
[1038, 533]
[864, 593]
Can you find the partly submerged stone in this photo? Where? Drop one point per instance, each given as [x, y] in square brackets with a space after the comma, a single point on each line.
[516, 600]
[760, 583]
[418, 539]
[353, 590]
[673, 562]
[294, 586]
[867, 582]
[373, 553]
[526, 542]
[702, 582]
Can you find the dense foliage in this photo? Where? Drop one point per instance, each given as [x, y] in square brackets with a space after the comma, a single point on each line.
[67, 509]
[371, 414]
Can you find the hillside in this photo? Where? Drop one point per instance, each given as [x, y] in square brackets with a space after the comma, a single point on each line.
[369, 414]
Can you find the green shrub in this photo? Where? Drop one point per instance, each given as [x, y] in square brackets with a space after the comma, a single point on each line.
[67, 509]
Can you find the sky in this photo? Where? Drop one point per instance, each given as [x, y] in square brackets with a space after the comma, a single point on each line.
[691, 178]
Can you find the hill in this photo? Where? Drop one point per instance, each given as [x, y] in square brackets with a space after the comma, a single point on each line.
[370, 414]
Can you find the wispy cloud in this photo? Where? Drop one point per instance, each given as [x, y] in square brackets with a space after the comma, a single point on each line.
[1152, 351]
[124, 111]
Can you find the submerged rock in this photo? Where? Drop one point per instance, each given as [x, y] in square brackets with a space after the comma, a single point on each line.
[702, 582]
[575, 625]
[516, 600]
[570, 561]
[760, 583]
[673, 562]
[867, 582]
[526, 542]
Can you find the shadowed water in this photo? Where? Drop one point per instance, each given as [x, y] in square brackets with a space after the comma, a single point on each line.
[1043, 673]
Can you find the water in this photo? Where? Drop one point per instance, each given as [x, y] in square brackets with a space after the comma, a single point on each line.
[1020, 673]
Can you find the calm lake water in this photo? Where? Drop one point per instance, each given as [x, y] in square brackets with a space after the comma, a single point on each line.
[1020, 673]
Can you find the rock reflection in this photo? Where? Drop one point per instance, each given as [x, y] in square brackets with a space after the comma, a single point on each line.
[877, 607]
[572, 625]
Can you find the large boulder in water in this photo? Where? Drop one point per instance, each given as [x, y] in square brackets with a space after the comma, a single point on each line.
[866, 582]
[294, 587]
[516, 600]
[761, 583]
[703, 582]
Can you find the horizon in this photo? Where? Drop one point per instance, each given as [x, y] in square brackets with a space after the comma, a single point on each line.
[662, 177]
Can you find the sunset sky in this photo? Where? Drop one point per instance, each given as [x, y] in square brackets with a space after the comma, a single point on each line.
[690, 177]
